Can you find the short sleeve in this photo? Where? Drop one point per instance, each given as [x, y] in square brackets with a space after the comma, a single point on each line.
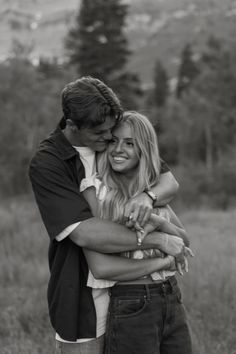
[91, 181]
[58, 197]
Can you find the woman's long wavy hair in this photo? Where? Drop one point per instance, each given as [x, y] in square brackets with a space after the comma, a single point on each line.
[146, 175]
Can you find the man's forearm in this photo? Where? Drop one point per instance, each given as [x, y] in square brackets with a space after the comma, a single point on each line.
[108, 237]
[103, 236]
[166, 189]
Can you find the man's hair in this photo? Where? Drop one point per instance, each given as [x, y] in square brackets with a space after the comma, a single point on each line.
[147, 173]
[88, 101]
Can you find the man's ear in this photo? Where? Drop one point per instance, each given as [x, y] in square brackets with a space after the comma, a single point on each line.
[71, 125]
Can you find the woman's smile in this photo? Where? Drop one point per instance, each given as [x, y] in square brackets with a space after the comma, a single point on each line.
[119, 159]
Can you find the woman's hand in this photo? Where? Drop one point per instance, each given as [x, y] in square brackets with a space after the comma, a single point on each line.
[178, 266]
[138, 210]
[155, 222]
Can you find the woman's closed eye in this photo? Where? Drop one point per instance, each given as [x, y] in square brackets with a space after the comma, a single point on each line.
[129, 143]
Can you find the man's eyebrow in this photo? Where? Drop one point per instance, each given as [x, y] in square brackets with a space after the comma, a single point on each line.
[100, 131]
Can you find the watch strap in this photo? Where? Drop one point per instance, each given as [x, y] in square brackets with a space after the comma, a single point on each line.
[151, 195]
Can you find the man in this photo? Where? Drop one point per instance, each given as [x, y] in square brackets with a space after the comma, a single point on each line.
[91, 110]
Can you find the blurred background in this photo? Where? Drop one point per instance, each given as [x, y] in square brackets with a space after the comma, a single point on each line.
[174, 61]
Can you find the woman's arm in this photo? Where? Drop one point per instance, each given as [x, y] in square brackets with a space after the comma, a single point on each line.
[172, 227]
[159, 223]
[174, 220]
[90, 195]
[117, 268]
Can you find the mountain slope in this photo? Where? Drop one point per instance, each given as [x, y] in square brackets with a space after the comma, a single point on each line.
[157, 29]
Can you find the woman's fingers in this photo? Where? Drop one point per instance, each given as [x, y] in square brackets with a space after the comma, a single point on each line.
[188, 252]
[185, 265]
[179, 268]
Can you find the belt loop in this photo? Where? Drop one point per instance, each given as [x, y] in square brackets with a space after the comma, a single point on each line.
[172, 284]
[148, 296]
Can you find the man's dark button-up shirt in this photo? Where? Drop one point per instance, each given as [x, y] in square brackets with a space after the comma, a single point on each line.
[56, 172]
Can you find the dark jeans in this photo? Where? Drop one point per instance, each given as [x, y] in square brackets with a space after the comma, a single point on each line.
[147, 319]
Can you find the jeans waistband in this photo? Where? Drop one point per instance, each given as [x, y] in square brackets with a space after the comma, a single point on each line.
[168, 286]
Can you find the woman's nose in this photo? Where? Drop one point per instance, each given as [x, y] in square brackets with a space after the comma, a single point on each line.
[118, 147]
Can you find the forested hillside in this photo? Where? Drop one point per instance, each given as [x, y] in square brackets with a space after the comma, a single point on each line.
[155, 28]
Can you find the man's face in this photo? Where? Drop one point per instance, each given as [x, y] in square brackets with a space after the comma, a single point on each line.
[97, 137]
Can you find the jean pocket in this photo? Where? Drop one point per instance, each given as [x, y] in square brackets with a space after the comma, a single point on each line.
[128, 307]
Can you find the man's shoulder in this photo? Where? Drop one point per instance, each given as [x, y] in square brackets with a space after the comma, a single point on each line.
[48, 155]
[47, 152]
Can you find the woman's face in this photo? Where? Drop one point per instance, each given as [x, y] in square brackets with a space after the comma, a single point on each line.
[121, 152]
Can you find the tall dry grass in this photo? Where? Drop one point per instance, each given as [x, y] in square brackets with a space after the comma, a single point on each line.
[24, 324]
[209, 287]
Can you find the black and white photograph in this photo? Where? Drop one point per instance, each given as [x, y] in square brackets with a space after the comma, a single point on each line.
[118, 176]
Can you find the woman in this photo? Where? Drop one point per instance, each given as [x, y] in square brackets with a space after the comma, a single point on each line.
[145, 314]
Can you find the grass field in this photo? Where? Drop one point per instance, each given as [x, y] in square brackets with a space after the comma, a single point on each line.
[209, 288]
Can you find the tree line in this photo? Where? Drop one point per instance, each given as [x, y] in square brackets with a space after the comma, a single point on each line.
[194, 113]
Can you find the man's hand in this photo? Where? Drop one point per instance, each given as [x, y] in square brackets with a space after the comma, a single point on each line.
[138, 210]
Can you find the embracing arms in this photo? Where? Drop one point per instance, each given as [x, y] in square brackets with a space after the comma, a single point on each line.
[108, 237]
[171, 227]
[61, 204]
[117, 268]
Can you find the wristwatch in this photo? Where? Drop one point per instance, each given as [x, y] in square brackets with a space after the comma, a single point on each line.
[152, 195]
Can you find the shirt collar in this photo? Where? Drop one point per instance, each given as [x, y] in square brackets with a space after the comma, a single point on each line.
[64, 147]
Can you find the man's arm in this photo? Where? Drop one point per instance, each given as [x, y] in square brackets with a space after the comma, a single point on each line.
[161, 224]
[109, 237]
[166, 189]
[141, 206]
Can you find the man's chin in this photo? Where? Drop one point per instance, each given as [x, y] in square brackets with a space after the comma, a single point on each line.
[100, 147]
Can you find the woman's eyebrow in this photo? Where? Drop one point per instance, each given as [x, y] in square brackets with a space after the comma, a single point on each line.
[126, 138]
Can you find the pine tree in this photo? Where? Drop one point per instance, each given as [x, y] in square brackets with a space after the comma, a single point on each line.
[97, 45]
[161, 87]
[188, 70]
